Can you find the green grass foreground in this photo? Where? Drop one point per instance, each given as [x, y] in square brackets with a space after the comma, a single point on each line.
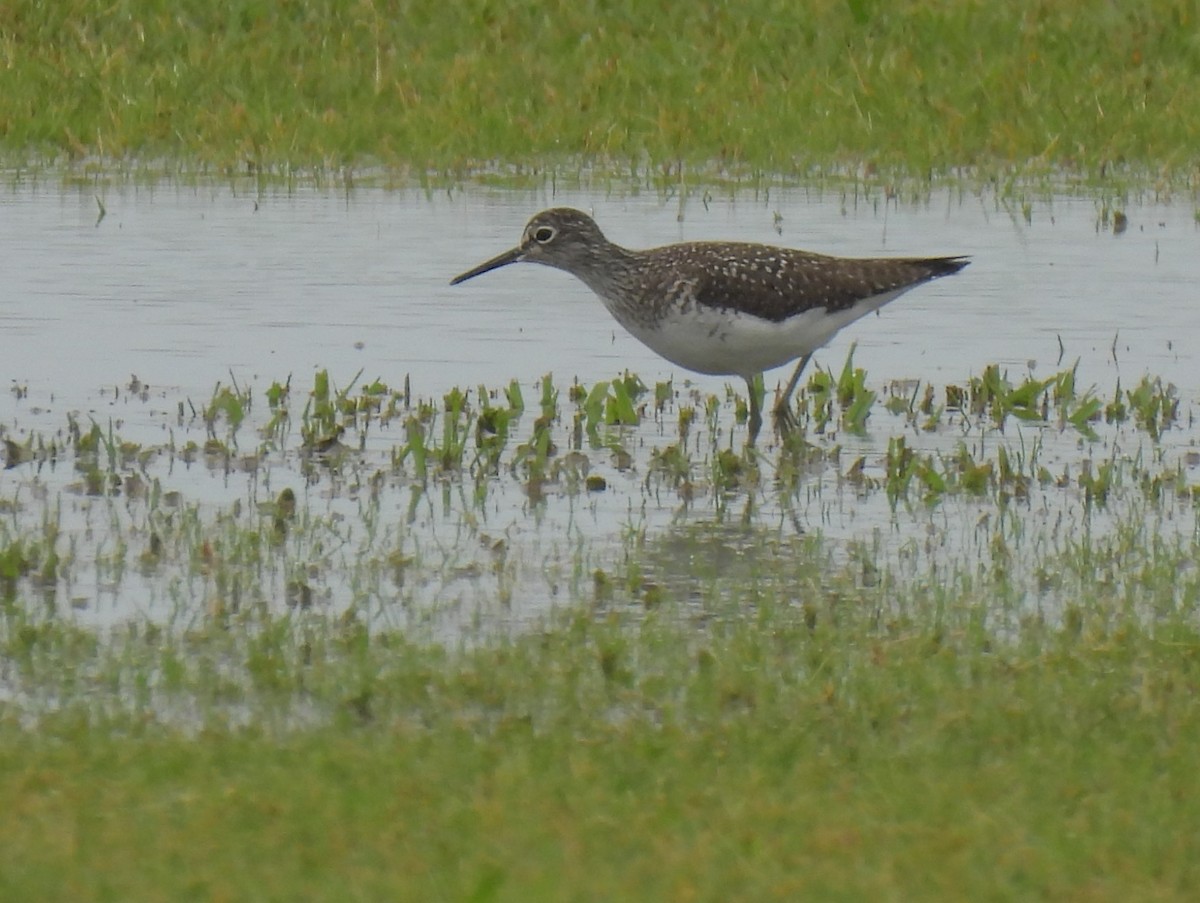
[782, 752]
[765, 84]
[718, 710]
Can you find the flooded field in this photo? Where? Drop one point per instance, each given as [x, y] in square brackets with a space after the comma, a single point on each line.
[222, 400]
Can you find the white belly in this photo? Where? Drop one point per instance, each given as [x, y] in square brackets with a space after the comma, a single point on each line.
[722, 342]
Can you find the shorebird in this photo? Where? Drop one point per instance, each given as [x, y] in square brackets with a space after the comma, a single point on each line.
[722, 308]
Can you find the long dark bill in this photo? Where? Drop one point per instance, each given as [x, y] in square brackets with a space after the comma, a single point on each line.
[495, 263]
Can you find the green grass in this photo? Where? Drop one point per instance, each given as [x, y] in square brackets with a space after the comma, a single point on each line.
[783, 752]
[764, 85]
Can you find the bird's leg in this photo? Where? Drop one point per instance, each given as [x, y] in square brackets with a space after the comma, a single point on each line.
[785, 420]
[755, 408]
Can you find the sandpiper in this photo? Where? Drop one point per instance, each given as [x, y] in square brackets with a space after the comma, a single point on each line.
[722, 308]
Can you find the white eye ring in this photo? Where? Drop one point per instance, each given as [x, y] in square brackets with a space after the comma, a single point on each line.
[543, 235]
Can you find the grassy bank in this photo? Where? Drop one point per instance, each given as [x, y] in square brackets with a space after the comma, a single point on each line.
[783, 753]
[762, 85]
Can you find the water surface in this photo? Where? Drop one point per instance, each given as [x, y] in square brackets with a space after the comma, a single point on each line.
[185, 287]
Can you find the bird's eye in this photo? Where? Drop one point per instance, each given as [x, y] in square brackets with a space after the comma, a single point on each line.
[543, 234]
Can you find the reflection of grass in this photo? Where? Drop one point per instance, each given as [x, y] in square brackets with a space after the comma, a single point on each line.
[434, 86]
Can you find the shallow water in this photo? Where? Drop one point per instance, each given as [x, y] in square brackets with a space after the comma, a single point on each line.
[188, 287]
[183, 286]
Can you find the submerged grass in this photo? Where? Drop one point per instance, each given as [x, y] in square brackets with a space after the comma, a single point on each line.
[765, 85]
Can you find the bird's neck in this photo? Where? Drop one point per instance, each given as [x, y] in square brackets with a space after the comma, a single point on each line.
[610, 270]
